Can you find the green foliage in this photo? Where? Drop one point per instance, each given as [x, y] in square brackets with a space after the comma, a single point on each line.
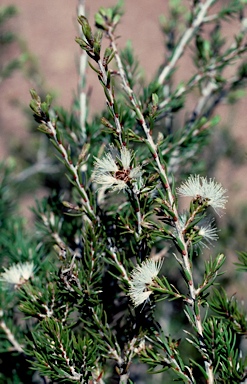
[223, 346]
[86, 311]
[242, 265]
[7, 37]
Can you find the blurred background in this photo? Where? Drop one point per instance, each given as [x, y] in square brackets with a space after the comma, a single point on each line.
[38, 50]
[48, 57]
[48, 31]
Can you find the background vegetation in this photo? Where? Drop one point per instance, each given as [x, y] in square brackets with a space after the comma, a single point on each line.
[72, 318]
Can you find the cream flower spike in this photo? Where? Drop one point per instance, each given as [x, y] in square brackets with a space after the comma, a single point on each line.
[18, 274]
[115, 172]
[208, 233]
[212, 192]
[142, 278]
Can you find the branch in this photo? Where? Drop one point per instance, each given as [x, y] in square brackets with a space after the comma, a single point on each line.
[45, 167]
[10, 336]
[171, 199]
[119, 264]
[185, 39]
[73, 169]
[110, 99]
[82, 80]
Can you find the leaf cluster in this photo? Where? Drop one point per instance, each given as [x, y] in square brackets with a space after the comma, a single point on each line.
[80, 325]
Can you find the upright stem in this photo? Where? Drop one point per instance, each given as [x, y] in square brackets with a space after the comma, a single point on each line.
[171, 199]
[82, 80]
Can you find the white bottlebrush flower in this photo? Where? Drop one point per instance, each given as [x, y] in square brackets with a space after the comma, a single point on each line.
[116, 172]
[18, 274]
[142, 278]
[210, 191]
[203, 228]
[208, 233]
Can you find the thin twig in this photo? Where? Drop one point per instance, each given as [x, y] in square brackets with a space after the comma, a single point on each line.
[73, 169]
[110, 100]
[82, 79]
[185, 39]
[119, 264]
[74, 376]
[11, 337]
[45, 167]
